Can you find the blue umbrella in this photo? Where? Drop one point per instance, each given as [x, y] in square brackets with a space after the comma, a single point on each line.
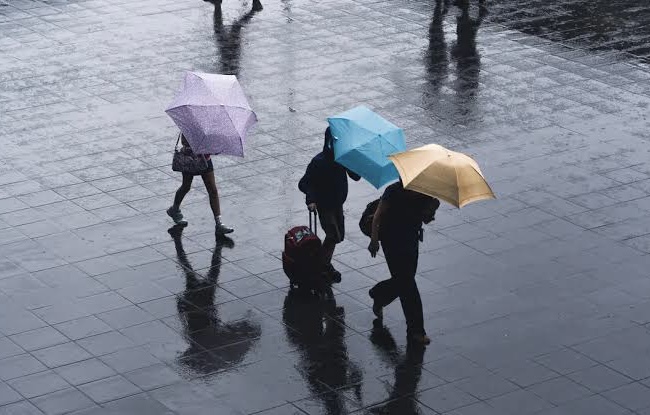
[363, 140]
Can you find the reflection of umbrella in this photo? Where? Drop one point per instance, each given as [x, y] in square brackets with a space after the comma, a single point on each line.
[212, 112]
[363, 140]
[445, 174]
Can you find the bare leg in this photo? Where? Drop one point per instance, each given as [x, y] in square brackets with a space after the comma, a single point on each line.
[213, 193]
[182, 191]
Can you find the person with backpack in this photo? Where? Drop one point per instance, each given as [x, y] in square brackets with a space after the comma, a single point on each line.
[325, 185]
[397, 224]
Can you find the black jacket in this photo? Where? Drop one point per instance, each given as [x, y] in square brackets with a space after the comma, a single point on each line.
[325, 181]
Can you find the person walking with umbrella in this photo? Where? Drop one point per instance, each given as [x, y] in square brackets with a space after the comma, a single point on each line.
[325, 185]
[426, 174]
[210, 183]
[397, 223]
[214, 116]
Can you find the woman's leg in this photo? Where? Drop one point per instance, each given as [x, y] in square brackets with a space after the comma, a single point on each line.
[174, 211]
[213, 195]
[182, 190]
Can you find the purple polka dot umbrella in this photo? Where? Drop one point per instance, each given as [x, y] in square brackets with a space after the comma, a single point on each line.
[213, 113]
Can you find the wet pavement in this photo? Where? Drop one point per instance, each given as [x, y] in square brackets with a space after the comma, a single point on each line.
[537, 303]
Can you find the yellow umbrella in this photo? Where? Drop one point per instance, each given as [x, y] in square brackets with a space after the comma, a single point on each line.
[436, 171]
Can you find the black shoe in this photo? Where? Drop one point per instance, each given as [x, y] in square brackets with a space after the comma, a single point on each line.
[377, 309]
[332, 274]
[418, 339]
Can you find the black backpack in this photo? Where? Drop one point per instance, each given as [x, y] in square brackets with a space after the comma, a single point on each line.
[365, 223]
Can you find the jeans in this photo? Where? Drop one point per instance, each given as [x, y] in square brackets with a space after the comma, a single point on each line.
[402, 260]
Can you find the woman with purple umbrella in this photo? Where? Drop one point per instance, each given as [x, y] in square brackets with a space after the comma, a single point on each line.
[210, 183]
[213, 114]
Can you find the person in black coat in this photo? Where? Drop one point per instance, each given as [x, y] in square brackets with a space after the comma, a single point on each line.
[397, 224]
[325, 185]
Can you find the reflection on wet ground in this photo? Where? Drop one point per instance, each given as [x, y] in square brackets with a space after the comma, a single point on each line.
[599, 26]
[203, 328]
[536, 302]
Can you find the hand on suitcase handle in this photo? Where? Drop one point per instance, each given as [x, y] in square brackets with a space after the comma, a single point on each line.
[313, 226]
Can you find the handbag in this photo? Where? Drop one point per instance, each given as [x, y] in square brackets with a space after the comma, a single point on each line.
[185, 161]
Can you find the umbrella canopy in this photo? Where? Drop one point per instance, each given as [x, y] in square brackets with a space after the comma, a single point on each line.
[362, 142]
[436, 171]
[212, 112]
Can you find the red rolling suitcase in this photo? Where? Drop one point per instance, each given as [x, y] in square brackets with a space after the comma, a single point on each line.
[302, 258]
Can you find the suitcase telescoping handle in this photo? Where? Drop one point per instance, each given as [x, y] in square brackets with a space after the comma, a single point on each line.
[313, 226]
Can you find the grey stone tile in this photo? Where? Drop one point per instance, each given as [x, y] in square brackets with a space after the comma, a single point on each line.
[153, 377]
[599, 378]
[106, 343]
[565, 361]
[8, 395]
[20, 408]
[109, 389]
[129, 359]
[594, 404]
[632, 396]
[20, 365]
[62, 354]
[39, 384]
[61, 402]
[454, 368]
[445, 398]
[83, 327]
[140, 404]
[559, 390]
[526, 373]
[518, 402]
[8, 348]
[486, 386]
[125, 317]
[85, 371]
[636, 367]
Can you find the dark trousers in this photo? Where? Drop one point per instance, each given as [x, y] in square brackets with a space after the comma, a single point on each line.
[402, 260]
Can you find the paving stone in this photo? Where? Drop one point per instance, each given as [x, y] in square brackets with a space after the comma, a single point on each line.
[109, 389]
[39, 384]
[632, 396]
[61, 402]
[599, 378]
[559, 390]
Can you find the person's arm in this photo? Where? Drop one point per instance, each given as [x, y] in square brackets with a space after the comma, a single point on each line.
[306, 186]
[353, 175]
[376, 223]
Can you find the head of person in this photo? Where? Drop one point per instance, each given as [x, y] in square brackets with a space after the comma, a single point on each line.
[429, 208]
[328, 144]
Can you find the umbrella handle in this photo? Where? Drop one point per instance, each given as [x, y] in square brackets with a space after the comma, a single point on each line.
[177, 141]
[313, 227]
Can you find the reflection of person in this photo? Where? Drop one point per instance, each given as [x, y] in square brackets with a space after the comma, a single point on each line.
[213, 194]
[229, 41]
[397, 223]
[468, 62]
[408, 370]
[311, 326]
[436, 61]
[203, 328]
[325, 185]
